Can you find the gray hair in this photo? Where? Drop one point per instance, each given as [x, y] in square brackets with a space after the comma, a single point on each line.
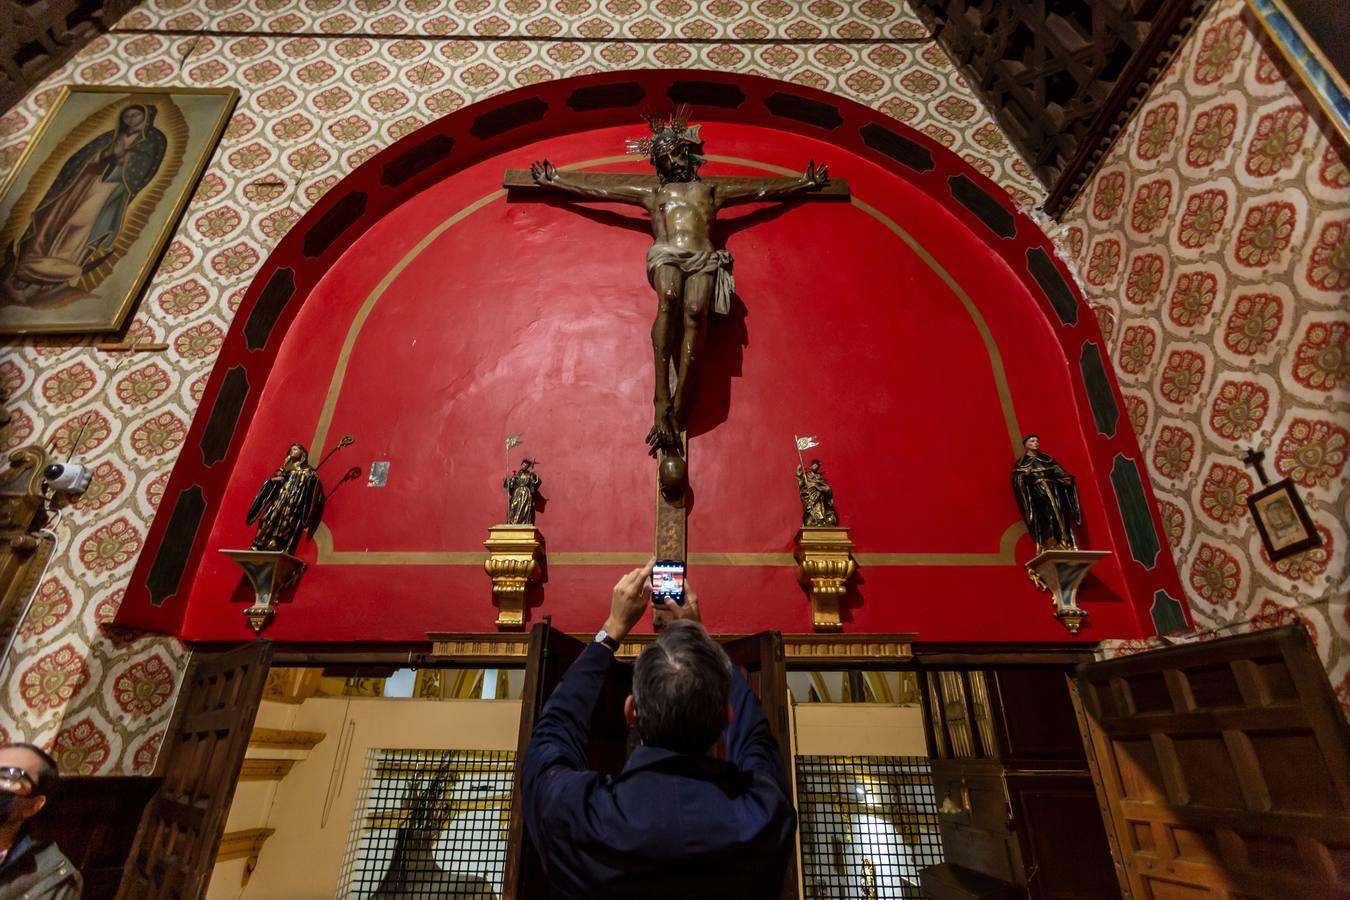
[681, 684]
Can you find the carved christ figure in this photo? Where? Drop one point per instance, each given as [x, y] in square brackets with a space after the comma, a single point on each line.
[687, 272]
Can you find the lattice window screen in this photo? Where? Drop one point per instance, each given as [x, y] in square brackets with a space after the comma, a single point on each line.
[37, 38]
[868, 825]
[430, 824]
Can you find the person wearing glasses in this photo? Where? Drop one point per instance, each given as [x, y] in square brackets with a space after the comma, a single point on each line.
[29, 869]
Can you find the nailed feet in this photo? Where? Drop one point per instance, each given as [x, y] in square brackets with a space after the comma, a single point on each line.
[665, 433]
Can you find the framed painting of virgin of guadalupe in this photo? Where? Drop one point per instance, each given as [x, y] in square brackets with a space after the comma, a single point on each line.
[91, 204]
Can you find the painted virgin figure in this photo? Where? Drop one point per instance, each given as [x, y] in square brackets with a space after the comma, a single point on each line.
[76, 225]
[289, 503]
[1047, 497]
[522, 487]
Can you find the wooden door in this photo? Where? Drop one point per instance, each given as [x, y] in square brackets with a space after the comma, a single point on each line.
[760, 657]
[176, 847]
[550, 654]
[1224, 769]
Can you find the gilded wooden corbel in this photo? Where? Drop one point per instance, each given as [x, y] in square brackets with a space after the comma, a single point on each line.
[825, 563]
[515, 559]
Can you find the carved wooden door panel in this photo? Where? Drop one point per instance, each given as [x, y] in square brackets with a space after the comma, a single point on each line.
[760, 657]
[176, 847]
[550, 653]
[1224, 768]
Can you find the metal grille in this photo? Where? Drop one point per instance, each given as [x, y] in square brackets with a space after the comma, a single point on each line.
[868, 825]
[430, 824]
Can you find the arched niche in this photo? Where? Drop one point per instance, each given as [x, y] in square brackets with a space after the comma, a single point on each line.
[917, 330]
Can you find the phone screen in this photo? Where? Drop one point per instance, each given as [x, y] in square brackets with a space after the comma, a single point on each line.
[668, 581]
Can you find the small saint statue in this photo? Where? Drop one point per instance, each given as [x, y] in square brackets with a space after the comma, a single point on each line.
[1047, 497]
[289, 503]
[522, 489]
[817, 498]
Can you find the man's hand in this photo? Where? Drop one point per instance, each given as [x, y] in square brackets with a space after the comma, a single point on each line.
[687, 610]
[816, 176]
[631, 596]
[543, 172]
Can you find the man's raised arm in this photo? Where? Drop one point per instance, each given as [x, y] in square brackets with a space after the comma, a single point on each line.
[752, 190]
[555, 768]
[582, 184]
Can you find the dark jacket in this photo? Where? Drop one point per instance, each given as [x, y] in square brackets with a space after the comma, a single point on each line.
[34, 871]
[671, 824]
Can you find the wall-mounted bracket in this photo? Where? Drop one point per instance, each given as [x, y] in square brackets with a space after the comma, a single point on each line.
[1060, 573]
[269, 573]
[825, 563]
[515, 559]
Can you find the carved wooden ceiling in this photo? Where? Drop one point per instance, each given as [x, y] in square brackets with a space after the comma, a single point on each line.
[1062, 76]
[37, 36]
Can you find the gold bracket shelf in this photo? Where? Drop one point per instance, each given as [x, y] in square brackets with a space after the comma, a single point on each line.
[515, 560]
[825, 563]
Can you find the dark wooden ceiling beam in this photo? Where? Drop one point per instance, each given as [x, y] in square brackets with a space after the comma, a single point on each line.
[38, 38]
[1061, 77]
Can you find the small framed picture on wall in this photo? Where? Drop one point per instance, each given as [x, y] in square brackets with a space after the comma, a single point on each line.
[1282, 520]
[90, 206]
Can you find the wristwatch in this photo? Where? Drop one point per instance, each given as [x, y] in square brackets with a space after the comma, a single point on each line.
[603, 637]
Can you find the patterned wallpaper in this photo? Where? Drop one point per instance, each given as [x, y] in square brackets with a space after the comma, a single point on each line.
[1214, 246]
[325, 84]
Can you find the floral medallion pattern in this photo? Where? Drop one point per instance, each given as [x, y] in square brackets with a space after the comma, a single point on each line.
[54, 679]
[324, 86]
[1252, 340]
[81, 749]
[144, 686]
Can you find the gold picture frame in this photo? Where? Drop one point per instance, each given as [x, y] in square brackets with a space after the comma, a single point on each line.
[96, 196]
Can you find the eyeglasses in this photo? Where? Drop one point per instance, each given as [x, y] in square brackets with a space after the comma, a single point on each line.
[14, 778]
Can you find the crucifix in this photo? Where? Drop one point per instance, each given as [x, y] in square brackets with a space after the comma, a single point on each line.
[689, 275]
[1255, 460]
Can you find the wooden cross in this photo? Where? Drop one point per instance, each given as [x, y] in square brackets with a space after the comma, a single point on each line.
[1256, 460]
[521, 180]
[690, 276]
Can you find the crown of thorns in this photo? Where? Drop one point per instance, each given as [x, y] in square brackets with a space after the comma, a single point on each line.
[673, 129]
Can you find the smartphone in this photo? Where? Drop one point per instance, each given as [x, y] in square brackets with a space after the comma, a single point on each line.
[668, 581]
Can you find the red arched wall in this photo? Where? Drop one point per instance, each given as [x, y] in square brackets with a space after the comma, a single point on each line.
[888, 327]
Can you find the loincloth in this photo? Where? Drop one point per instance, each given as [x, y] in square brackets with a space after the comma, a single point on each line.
[696, 262]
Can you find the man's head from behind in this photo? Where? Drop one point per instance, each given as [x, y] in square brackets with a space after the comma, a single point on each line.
[27, 776]
[681, 684]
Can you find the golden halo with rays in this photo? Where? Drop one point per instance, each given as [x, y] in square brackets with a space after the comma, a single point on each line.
[168, 119]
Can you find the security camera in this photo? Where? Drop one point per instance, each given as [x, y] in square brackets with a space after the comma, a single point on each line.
[68, 478]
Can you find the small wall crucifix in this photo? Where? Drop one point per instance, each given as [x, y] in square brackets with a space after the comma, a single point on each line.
[1256, 459]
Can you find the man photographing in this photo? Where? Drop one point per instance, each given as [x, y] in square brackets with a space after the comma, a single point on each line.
[675, 822]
